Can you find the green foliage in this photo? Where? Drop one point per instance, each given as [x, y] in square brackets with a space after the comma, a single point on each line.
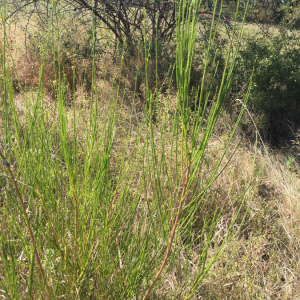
[96, 205]
[265, 12]
[292, 16]
[275, 60]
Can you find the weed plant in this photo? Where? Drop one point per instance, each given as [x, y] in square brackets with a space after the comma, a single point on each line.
[97, 207]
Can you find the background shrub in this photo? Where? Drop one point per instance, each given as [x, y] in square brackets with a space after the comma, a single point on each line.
[275, 99]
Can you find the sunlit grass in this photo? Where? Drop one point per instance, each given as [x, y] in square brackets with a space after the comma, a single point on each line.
[99, 201]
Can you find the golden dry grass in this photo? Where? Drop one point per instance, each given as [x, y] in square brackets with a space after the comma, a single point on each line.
[263, 262]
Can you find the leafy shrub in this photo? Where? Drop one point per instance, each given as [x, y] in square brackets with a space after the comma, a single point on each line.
[276, 82]
[266, 11]
[292, 16]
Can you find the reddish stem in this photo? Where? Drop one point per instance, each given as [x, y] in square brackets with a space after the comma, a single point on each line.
[172, 235]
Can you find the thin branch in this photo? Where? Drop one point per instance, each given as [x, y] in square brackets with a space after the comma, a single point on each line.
[18, 9]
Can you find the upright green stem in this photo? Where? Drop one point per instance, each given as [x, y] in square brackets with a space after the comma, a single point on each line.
[37, 257]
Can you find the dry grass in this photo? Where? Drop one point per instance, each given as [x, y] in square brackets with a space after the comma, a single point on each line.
[261, 30]
[262, 262]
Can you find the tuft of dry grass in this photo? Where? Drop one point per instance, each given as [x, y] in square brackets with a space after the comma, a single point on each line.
[262, 262]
